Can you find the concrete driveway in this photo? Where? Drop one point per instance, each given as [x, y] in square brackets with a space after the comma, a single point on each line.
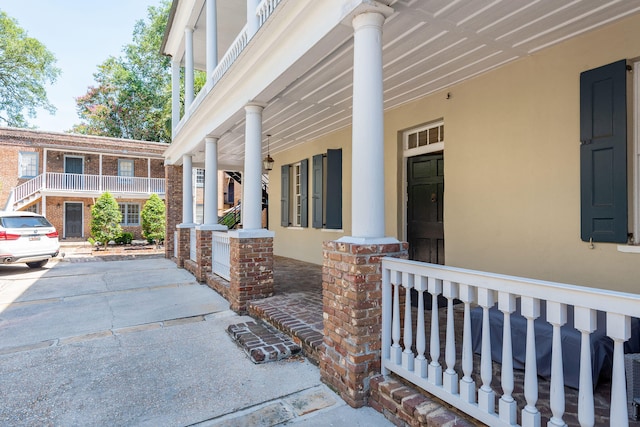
[140, 342]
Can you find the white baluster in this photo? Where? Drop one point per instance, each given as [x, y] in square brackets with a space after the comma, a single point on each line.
[387, 302]
[619, 330]
[407, 354]
[486, 395]
[530, 308]
[435, 370]
[507, 406]
[396, 350]
[467, 385]
[450, 377]
[421, 342]
[557, 316]
[585, 321]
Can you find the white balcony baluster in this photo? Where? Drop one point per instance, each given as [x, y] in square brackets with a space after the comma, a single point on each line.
[507, 406]
[486, 395]
[585, 321]
[407, 354]
[557, 316]
[450, 378]
[396, 350]
[619, 330]
[467, 385]
[421, 340]
[435, 370]
[530, 414]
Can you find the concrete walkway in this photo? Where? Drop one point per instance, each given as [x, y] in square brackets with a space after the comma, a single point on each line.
[140, 342]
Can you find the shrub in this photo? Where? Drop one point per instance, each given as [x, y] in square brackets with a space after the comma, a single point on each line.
[124, 239]
[153, 219]
[105, 219]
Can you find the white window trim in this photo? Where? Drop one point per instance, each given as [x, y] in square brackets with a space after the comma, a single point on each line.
[635, 199]
[296, 195]
[128, 161]
[437, 147]
[127, 204]
[23, 154]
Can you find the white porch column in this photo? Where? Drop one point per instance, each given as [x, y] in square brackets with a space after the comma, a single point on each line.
[212, 37]
[211, 182]
[175, 94]
[367, 191]
[252, 177]
[187, 189]
[252, 17]
[188, 68]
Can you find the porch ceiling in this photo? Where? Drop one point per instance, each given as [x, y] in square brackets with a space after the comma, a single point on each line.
[427, 46]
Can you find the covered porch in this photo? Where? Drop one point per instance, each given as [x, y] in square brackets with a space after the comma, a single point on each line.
[296, 308]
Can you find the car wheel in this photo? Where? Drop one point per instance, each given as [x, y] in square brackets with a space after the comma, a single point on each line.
[37, 264]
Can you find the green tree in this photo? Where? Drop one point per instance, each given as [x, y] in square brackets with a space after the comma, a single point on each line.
[26, 66]
[105, 219]
[153, 219]
[132, 98]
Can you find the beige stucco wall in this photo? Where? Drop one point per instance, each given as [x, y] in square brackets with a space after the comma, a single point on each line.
[512, 202]
[306, 243]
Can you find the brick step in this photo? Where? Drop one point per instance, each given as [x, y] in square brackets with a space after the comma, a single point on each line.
[301, 330]
[261, 342]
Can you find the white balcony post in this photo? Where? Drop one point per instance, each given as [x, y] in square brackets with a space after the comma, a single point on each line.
[211, 185]
[175, 94]
[557, 317]
[252, 178]
[187, 189]
[188, 68]
[252, 17]
[367, 136]
[212, 37]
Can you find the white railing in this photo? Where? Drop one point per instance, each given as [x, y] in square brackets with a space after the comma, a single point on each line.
[404, 348]
[265, 9]
[230, 56]
[193, 254]
[221, 254]
[28, 188]
[101, 183]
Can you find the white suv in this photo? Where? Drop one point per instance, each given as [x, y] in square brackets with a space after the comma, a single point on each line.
[27, 237]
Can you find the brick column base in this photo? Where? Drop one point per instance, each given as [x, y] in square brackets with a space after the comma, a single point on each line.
[184, 241]
[173, 200]
[352, 309]
[251, 267]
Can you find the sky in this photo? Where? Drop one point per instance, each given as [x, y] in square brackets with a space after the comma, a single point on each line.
[81, 34]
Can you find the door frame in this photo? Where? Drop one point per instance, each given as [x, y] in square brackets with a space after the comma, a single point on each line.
[64, 218]
[414, 152]
[68, 156]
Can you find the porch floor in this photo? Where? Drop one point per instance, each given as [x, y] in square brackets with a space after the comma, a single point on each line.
[296, 309]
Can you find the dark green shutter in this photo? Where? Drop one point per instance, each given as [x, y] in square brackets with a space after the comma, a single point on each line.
[603, 153]
[334, 189]
[316, 193]
[284, 199]
[304, 193]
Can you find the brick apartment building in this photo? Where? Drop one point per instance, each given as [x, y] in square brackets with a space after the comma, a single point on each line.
[61, 175]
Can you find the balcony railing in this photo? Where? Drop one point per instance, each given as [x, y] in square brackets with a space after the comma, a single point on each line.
[519, 324]
[221, 255]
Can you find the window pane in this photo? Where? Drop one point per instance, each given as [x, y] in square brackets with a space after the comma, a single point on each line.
[28, 165]
[412, 140]
[422, 138]
[125, 167]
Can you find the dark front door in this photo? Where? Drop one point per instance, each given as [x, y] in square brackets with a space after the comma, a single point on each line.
[425, 227]
[73, 165]
[73, 220]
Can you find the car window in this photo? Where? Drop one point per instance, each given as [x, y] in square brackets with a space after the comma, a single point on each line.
[24, 221]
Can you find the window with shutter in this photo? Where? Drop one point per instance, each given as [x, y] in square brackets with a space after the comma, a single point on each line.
[603, 154]
[327, 190]
[294, 189]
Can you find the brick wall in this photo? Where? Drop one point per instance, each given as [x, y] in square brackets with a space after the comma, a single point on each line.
[352, 301]
[173, 200]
